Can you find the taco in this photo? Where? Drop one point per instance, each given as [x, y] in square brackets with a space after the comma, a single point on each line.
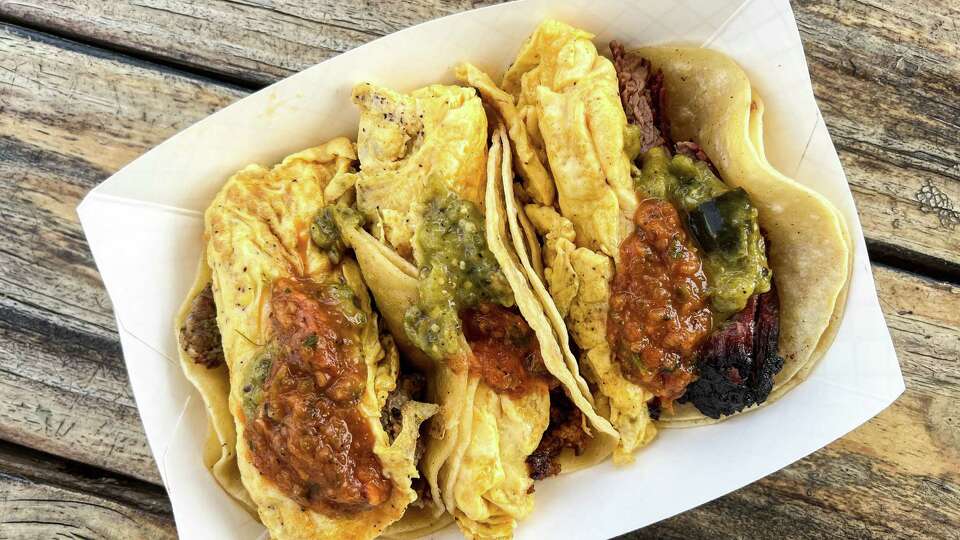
[429, 236]
[315, 421]
[695, 280]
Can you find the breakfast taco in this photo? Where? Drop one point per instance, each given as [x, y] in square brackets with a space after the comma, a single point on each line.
[695, 280]
[315, 420]
[428, 233]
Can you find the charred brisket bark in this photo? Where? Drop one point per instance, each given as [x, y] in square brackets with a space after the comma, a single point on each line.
[739, 360]
[654, 408]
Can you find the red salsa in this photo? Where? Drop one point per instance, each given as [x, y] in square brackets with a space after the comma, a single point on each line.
[506, 353]
[306, 432]
[659, 309]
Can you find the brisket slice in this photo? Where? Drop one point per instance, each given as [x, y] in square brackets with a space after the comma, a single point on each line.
[694, 152]
[641, 93]
[644, 99]
[739, 361]
[200, 335]
[691, 149]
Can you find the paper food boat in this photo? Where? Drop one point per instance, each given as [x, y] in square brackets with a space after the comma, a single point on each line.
[144, 227]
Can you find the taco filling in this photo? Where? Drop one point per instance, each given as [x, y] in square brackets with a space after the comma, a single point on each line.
[305, 430]
[463, 290]
[693, 311]
[565, 431]
[199, 332]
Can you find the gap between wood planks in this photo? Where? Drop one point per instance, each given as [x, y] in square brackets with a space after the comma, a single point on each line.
[883, 252]
[42, 495]
[35, 466]
[915, 263]
[62, 38]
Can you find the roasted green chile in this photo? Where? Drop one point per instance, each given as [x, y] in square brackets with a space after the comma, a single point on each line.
[721, 219]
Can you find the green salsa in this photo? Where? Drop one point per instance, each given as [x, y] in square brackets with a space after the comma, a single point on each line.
[325, 232]
[253, 389]
[720, 218]
[348, 303]
[457, 271]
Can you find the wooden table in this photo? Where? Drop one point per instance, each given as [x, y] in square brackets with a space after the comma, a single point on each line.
[88, 85]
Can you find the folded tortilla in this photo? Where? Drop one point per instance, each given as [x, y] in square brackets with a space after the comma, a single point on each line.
[579, 232]
[561, 103]
[811, 253]
[268, 282]
[479, 442]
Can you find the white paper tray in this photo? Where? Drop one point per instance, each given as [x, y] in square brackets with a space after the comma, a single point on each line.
[144, 227]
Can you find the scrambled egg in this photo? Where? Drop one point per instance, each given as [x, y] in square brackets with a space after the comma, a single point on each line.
[566, 98]
[528, 157]
[579, 283]
[436, 133]
[257, 231]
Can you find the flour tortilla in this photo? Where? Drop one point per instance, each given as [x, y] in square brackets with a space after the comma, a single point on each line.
[471, 413]
[756, 136]
[219, 453]
[710, 101]
[501, 210]
[256, 223]
[476, 430]
[417, 523]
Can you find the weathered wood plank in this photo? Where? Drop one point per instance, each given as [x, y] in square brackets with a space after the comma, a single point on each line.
[71, 116]
[256, 41]
[898, 475]
[46, 497]
[887, 77]
[885, 74]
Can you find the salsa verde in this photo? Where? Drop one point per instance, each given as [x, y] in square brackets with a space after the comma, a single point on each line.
[457, 271]
[721, 219]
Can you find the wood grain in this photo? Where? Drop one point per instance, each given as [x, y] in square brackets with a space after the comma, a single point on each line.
[46, 497]
[886, 75]
[255, 41]
[71, 116]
